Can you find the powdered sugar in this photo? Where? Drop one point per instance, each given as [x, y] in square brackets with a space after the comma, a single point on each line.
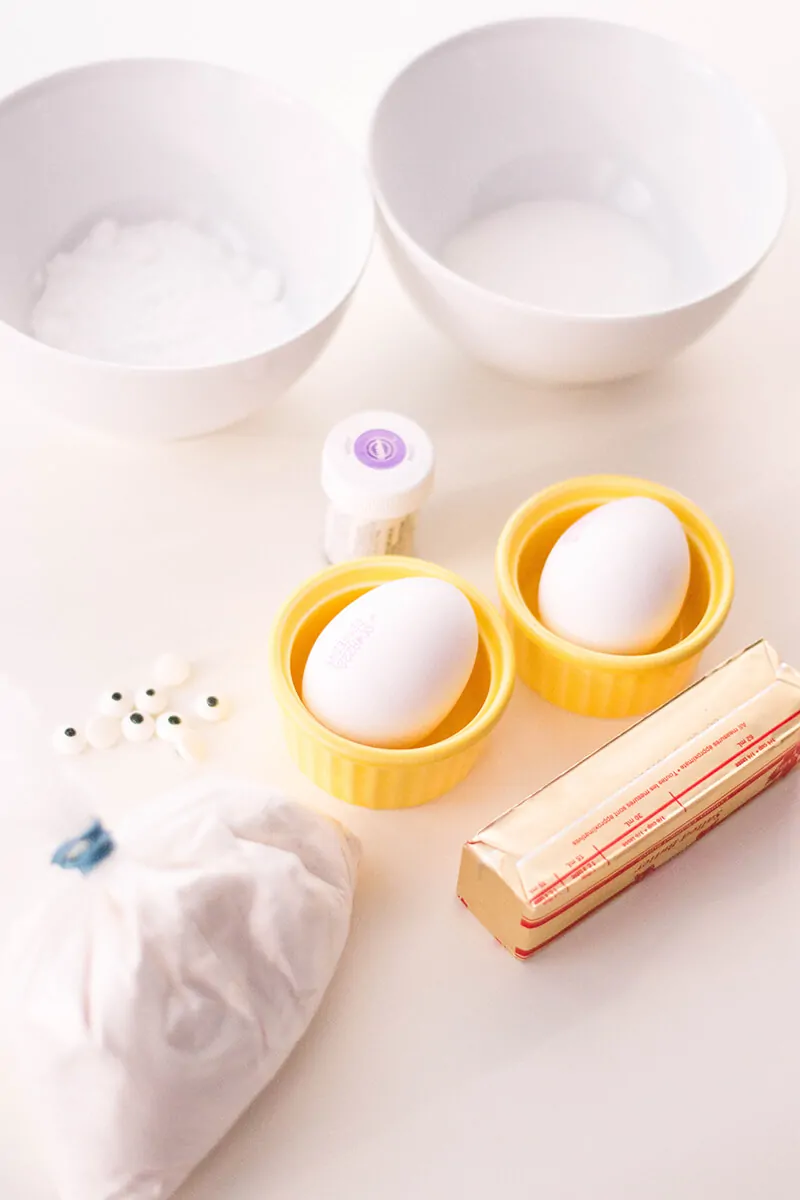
[161, 294]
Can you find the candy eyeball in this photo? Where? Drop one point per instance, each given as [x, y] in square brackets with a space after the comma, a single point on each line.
[171, 671]
[169, 726]
[190, 745]
[151, 700]
[138, 727]
[68, 739]
[103, 731]
[211, 707]
[116, 703]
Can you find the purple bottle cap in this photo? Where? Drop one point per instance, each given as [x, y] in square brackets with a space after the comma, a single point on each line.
[380, 449]
[377, 465]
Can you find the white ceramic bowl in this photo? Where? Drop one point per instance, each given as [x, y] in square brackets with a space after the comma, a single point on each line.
[141, 140]
[624, 192]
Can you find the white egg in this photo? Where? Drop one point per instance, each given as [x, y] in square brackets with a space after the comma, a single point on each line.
[616, 580]
[390, 666]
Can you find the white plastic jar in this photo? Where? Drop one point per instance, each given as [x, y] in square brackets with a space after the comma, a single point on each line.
[377, 472]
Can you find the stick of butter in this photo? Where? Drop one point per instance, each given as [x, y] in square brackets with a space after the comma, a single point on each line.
[631, 806]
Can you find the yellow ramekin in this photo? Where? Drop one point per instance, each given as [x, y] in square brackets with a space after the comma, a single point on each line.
[586, 681]
[367, 775]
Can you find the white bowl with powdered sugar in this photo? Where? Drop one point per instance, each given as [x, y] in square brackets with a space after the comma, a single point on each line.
[178, 243]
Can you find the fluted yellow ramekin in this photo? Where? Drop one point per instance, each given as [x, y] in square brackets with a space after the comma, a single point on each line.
[367, 775]
[586, 681]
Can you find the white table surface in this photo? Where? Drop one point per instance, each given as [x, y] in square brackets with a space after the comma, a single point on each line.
[652, 1052]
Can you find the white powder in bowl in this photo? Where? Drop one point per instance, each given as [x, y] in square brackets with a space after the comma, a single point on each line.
[160, 294]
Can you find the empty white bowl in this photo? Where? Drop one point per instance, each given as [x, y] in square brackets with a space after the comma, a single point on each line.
[143, 140]
[572, 200]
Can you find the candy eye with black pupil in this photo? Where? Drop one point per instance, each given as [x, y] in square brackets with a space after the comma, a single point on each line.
[211, 707]
[67, 739]
[169, 726]
[151, 700]
[115, 703]
[138, 727]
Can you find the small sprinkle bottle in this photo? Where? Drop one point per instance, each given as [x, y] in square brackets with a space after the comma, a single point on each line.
[377, 472]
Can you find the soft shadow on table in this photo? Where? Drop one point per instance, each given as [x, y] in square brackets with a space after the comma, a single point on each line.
[575, 988]
[249, 1138]
[573, 981]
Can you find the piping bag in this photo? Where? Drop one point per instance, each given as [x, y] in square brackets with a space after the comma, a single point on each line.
[165, 968]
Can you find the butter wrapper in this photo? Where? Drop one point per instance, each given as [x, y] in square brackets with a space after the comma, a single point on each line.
[632, 805]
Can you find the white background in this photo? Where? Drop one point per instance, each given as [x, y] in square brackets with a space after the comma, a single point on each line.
[653, 1051]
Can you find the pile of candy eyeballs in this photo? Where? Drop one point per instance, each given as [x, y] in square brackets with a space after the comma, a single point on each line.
[138, 716]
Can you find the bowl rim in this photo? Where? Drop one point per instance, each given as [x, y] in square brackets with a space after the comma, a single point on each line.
[282, 95]
[492, 629]
[711, 543]
[434, 264]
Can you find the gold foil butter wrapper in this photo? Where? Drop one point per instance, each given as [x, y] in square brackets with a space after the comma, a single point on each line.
[635, 803]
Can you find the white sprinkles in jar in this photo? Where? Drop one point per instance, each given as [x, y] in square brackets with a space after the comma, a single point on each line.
[377, 471]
